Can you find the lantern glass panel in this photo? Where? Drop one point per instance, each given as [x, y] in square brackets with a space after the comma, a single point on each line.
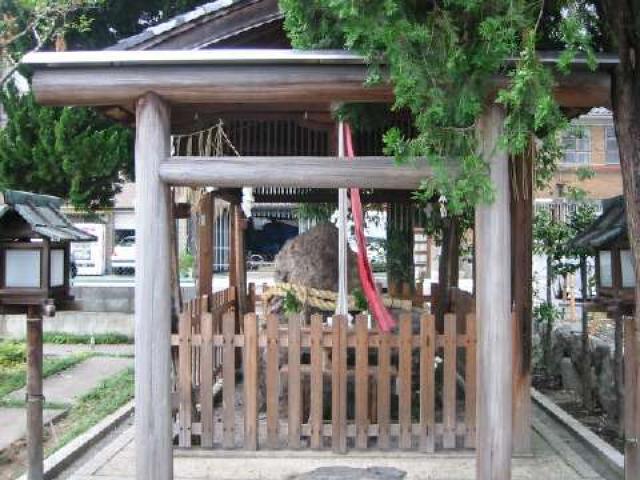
[628, 270]
[57, 267]
[22, 269]
[606, 274]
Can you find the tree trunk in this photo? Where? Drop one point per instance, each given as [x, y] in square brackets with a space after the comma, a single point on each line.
[400, 268]
[587, 398]
[448, 267]
[622, 19]
[549, 279]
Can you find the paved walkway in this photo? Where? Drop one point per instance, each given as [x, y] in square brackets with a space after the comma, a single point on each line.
[68, 385]
[56, 350]
[64, 387]
[117, 461]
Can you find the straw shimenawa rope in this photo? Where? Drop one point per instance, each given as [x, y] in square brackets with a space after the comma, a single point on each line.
[324, 300]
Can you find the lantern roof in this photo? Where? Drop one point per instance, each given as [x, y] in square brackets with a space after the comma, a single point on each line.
[42, 213]
[608, 228]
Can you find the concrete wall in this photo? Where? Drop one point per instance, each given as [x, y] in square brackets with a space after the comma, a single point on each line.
[110, 299]
[81, 323]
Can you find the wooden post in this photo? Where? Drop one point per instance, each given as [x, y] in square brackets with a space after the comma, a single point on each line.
[240, 259]
[521, 281]
[205, 245]
[34, 394]
[342, 306]
[154, 456]
[493, 309]
[631, 401]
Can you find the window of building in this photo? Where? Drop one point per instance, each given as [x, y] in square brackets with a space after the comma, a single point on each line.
[611, 146]
[606, 272]
[577, 147]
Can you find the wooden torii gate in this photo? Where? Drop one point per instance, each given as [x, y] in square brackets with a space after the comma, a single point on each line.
[163, 87]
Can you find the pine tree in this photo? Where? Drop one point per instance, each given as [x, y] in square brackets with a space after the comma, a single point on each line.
[73, 153]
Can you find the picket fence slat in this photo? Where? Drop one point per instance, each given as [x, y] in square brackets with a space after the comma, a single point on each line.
[449, 390]
[273, 380]
[206, 376]
[362, 381]
[185, 376]
[339, 385]
[250, 380]
[427, 383]
[228, 379]
[317, 380]
[295, 404]
[384, 390]
[470, 383]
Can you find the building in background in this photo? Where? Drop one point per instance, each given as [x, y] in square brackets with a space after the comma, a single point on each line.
[593, 145]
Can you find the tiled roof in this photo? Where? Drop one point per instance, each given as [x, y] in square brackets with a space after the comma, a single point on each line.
[609, 227]
[42, 213]
[175, 22]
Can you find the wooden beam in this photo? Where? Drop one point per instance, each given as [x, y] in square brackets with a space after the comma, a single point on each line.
[317, 172]
[493, 310]
[200, 84]
[153, 424]
[267, 84]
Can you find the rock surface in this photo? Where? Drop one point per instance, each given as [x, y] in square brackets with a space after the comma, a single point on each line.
[566, 356]
[311, 259]
[350, 473]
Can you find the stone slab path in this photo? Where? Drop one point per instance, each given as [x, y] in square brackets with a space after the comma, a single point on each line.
[61, 350]
[64, 387]
[68, 385]
[117, 461]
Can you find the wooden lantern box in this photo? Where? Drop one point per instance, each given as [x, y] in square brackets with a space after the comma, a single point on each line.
[34, 250]
[607, 237]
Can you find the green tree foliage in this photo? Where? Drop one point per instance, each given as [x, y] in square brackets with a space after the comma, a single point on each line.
[441, 58]
[29, 25]
[118, 19]
[73, 153]
[553, 237]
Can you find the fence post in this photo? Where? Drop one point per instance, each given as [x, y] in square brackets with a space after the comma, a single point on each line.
[184, 376]
[317, 380]
[228, 378]
[384, 379]
[206, 374]
[449, 390]
[339, 385]
[427, 383]
[404, 375]
[250, 378]
[295, 404]
[470, 384]
[362, 381]
[273, 380]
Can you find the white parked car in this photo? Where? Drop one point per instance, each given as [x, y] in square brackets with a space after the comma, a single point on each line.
[123, 259]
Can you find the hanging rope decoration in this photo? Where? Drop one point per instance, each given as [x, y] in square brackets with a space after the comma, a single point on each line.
[382, 316]
[210, 142]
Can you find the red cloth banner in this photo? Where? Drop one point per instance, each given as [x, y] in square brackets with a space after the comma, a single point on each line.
[382, 316]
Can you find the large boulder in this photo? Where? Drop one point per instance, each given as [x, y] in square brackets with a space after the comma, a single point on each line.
[311, 260]
[566, 361]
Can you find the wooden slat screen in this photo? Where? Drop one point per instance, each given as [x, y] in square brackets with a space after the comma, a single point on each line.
[306, 383]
